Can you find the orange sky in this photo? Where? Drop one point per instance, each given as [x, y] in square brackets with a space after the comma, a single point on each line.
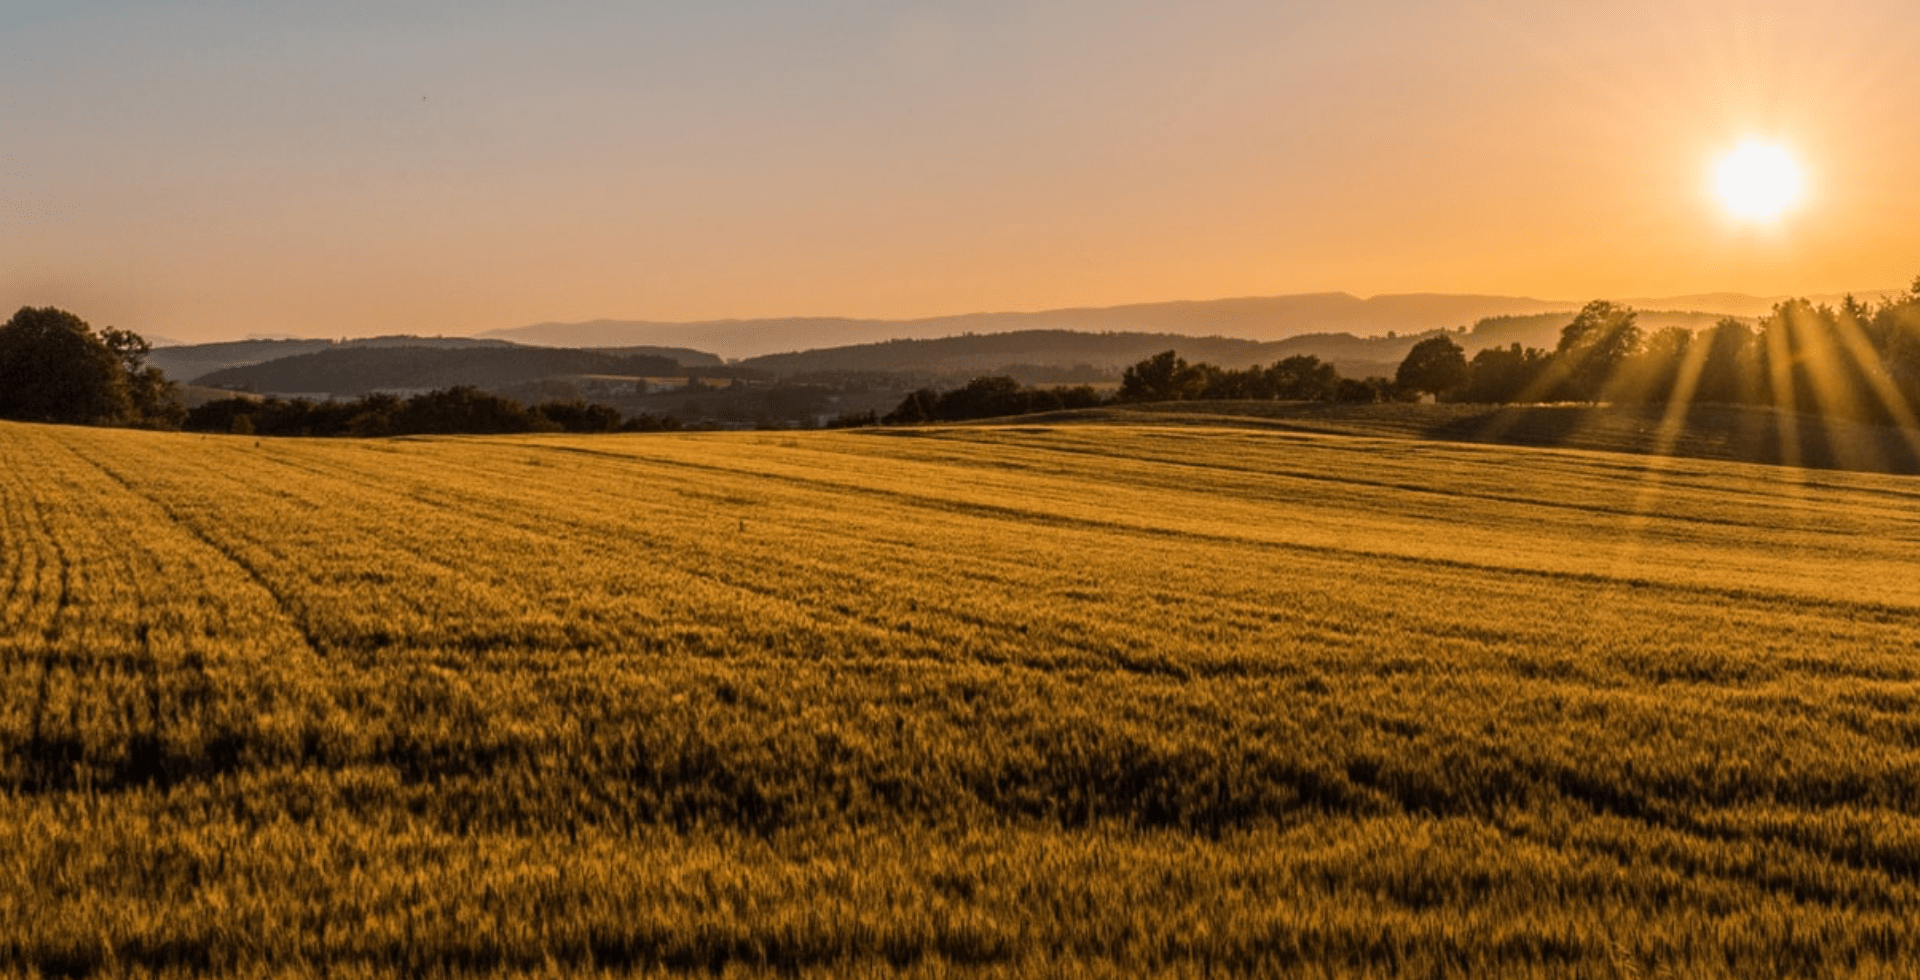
[204, 169]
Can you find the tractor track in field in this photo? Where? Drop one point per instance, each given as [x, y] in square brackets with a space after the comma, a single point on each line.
[1025, 516]
[294, 616]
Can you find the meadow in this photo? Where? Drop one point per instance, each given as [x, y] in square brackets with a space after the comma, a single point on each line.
[1102, 700]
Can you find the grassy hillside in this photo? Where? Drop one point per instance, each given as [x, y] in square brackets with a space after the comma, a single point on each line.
[1016, 700]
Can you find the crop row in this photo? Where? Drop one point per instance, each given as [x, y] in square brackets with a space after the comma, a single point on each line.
[1060, 700]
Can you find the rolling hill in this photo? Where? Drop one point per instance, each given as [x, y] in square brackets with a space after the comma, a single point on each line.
[1106, 353]
[976, 701]
[351, 371]
[1252, 318]
[1111, 352]
[1265, 318]
[191, 362]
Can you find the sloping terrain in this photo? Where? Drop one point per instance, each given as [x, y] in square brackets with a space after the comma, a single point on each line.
[1261, 318]
[1732, 433]
[1258, 318]
[189, 362]
[1110, 353]
[355, 371]
[1061, 700]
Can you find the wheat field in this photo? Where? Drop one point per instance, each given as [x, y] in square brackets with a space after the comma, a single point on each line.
[1072, 700]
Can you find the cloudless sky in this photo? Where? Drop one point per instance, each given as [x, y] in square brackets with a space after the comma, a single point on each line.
[204, 169]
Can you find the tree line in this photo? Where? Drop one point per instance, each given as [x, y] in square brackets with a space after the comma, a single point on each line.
[1858, 360]
[1164, 377]
[454, 410]
[54, 367]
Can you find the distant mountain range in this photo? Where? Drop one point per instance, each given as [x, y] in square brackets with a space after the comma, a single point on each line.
[1266, 318]
[1020, 351]
[1104, 354]
[1082, 345]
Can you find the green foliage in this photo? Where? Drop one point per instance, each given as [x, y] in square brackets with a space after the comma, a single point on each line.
[987, 397]
[1502, 375]
[1002, 701]
[1860, 361]
[1727, 369]
[1435, 366]
[455, 410]
[1302, 377]
[1164, 377]
[54, 368]
[579, 416]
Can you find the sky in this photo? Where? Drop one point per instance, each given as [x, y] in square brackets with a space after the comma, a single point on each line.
[208, 169]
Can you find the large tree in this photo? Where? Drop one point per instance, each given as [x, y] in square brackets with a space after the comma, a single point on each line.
[1500, 375]
[1435, 366]
[1302, 377]
[1594, 349]
[54, 368]
[1164, 377]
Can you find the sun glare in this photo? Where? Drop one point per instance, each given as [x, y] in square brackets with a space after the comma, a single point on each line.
[1757, 181]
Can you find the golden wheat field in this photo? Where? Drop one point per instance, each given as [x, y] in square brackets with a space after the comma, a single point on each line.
[1096, 700]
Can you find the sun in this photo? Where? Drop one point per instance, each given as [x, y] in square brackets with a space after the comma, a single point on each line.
[1757, 181]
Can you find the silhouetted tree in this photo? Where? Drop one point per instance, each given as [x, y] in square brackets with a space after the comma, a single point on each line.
[1728, 368]
[1501, 375]
[1435, 366]
[1302, 377]
[1593, 349]
[579, 416]
[1654, 375]
[375, 415]
[984, 398]
[152, 395]
[1812, 360]
[54, 368]
[1079, 396]
[1164, 377]
[464, 409]
[853, 420]
[1895, 332]
[1363, 390]
[1228, 384]
[649, 422]
[915, 409]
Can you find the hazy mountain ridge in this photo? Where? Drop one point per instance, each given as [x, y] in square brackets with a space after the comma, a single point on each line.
[1112, 352]
[1265, 319]
[1108, 353]
[1035, 354]
[1248, 318]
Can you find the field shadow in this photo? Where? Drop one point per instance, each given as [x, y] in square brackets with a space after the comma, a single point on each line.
[1719, 432]
[1735, 433]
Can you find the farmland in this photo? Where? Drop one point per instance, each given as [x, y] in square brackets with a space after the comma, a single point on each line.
[1097, 700]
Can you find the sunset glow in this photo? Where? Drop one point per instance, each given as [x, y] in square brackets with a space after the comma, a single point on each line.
[203, 170]
[1758, 181]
